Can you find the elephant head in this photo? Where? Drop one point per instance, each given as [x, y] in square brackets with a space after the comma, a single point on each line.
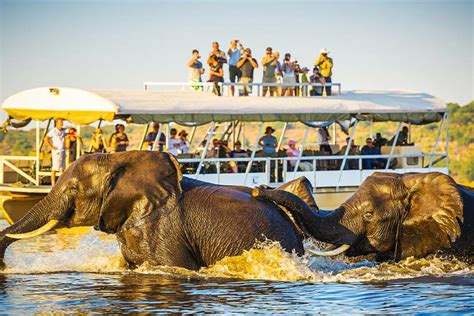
[393, 215]
[102, 190]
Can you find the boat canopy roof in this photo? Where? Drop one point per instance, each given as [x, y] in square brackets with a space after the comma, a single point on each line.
[143, 106]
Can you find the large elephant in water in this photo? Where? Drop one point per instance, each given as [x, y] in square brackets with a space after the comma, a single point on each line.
[157, 215]
[395, 216]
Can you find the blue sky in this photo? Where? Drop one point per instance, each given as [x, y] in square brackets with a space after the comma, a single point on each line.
[418, 45]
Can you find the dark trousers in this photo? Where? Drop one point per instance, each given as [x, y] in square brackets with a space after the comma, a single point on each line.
[328, 88]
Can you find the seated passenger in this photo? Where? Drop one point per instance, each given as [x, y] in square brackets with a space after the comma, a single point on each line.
[184, 143]
[379, 141]
[238, 152]
[402, 139]
[292, 151]
[370, 149]
[353, 150]
[174, 143]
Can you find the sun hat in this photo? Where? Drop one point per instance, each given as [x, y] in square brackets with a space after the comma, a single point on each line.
[291, 142]
[269, 128]
[324, 51]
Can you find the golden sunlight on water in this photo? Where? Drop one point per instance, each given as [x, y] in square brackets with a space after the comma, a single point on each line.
[85, 250]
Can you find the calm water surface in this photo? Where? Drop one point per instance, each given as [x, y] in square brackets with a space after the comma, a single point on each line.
[82, 271]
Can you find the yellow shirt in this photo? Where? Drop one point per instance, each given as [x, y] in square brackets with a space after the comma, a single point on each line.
[325, 65]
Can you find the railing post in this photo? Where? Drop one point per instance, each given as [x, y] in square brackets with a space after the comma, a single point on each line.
[142, 140]
[392, 149]
[301, 151]
[1, 171]
[204, 152]
[447, 141]
[252, 156]
[281, 136]
[437, 142]
[341, 170]
[157, 139]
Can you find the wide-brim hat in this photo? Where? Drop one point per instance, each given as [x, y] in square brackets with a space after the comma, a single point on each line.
[183, 132]
[291, 142]
[269, 128]
[324, 51]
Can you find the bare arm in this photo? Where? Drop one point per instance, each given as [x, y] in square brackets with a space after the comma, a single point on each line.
[253, 62]
[191, 63]
[241, 62]
[48, 141]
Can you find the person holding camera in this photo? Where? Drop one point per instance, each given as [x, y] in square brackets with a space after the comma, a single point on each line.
[216, 53]
[325, 65]
[289, 75]
[216, 73]
[235, 53]
[246, 65]
[195, 69]
[270, 64]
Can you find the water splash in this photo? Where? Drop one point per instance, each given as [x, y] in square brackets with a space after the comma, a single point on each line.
[90, 251]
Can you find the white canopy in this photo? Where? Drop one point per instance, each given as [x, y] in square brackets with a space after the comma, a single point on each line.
[194, 106]
[75, 105]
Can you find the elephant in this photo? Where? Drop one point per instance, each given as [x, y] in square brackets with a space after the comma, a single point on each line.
[394, 216]
[157, 215]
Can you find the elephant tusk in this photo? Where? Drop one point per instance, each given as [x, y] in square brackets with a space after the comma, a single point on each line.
[330, 253]
[43, 229]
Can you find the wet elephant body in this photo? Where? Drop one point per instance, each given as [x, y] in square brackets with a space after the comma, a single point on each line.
[157, 215]
[395, 216]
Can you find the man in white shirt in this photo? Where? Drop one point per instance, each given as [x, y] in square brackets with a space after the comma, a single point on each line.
[55, 140]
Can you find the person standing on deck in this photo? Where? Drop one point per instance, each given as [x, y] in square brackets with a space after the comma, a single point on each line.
[56, 141]
[195, 70]
[246, 64]
[235, 53]
[268, 142]
[325, 65]
[270, 64]
[217, 54]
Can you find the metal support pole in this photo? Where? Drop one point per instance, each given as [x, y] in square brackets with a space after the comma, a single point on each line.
[78, 142]
[447, 141]
[167, 141]
[334, 133]
[437, 142]
[252, 157]
[204, 152]
[157, 139]
[193, 132]
[351, 138]
[372, 128]
[281, 136]
[301, 151]
[392, 149]
[145, 132]
[37, 154]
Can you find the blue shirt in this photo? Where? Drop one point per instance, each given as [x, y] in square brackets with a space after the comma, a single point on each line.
[268, 142]
[151, 136]
[234, 57]
[366, 150]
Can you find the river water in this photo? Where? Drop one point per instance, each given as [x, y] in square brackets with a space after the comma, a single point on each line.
[81, 270]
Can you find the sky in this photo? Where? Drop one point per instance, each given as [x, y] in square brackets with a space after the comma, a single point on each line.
[423, 46]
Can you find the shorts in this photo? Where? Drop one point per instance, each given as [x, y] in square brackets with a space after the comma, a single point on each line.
[58, 158]
[289, 80]
[245, 89]
[269, 80]
[234, 73]
[197, 88]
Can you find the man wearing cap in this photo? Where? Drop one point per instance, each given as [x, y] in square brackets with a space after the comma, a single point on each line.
[270, 64]
[246, 65]
[325, 65]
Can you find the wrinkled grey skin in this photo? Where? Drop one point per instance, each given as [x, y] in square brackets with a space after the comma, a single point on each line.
[394, 216]
[156, 216]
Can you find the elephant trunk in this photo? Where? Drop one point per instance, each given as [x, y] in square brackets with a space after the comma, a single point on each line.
[326, 228]
[42, 217]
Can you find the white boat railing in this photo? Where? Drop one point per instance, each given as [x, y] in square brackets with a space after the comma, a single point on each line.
[208, 86]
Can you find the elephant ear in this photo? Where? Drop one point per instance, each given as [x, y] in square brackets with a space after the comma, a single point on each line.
[434, 209]
[302, 188]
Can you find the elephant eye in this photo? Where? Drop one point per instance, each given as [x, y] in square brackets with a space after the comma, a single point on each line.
[368, 216]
